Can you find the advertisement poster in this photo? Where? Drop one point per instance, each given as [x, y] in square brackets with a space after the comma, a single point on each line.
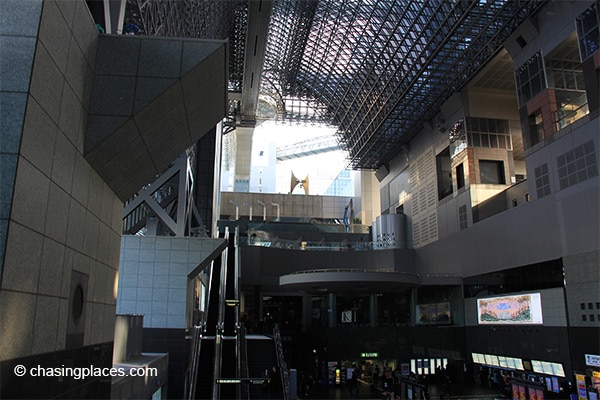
[438, 313]
[581, 389]
[555, 385]
[519, 309]
[515, 392]
[532, 394]
[522, 393]
[540, 394]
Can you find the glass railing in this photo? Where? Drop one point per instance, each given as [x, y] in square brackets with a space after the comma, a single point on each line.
[317, 246]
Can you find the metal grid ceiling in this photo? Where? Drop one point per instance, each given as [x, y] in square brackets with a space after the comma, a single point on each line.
[378, 69]
[202, 19]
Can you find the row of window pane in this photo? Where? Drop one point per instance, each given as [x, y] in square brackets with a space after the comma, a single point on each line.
[564, 74]
[542, 181]
[577, 165]
[588, 31]
[462, 217]
[584, 318]
[530, 78]
[485, 125]
[489, 141]
[590, 305]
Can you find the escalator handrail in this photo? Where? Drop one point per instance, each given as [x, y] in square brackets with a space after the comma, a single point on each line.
[284, 373]
[195, 355]
[216, 392]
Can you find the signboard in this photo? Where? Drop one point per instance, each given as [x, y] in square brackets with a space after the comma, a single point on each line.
[540, 394]
[581, 389]
[537, 366]
[518, 364]
[369, 355]
[347, 316]
[517, 309]
[438, 313]
[548, 368]
[478, 358]
[555, 385]
[592, 360]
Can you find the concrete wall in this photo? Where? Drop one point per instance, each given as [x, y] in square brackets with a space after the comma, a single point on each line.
[62, 217]
[154, 277]
[60, 223]
[290, 205]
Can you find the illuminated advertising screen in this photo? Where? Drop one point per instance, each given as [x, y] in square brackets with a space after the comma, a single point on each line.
[510, 362]
[433, 314]
[537, 366]
[478, 358]
[547, 367]
[494, 360]
[516, 309]
[518, 364]
[558, 370]
[502, 362]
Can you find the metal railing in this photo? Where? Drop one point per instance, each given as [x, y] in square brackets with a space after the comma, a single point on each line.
[318, 246]
[216, 392]
[571, 112]
[284, 372]
[194, 359]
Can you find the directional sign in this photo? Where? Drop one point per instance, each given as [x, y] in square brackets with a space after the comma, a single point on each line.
[253, 381]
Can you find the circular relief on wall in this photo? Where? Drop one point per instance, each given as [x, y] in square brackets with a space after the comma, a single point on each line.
[77, 303]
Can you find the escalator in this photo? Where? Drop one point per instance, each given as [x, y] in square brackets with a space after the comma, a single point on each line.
[204, 382]
[229, 368]
[216, 355]
[226, 364]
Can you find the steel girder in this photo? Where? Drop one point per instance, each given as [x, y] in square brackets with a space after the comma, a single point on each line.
[378, 69]
[203, 19]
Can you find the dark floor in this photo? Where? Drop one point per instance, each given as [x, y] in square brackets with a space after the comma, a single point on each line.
[462, 391]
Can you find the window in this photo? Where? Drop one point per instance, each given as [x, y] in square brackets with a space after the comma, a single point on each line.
[542, 181]
[584, 317]
[565, 74]
[462, 217]
[582, 306]
[444, 174]
[588, 31]
[577, 165]
[571, 106]
[460, 176]
[536, 128]
[530, 78]
[491, 171]
[489, 133]
[458, 138]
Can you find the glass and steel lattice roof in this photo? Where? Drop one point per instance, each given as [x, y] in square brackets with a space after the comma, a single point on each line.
[378, 69]
[374, 69]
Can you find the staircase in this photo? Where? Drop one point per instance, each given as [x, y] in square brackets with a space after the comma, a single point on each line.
[261, 357]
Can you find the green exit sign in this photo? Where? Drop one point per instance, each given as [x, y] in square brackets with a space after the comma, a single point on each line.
[369, 355]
